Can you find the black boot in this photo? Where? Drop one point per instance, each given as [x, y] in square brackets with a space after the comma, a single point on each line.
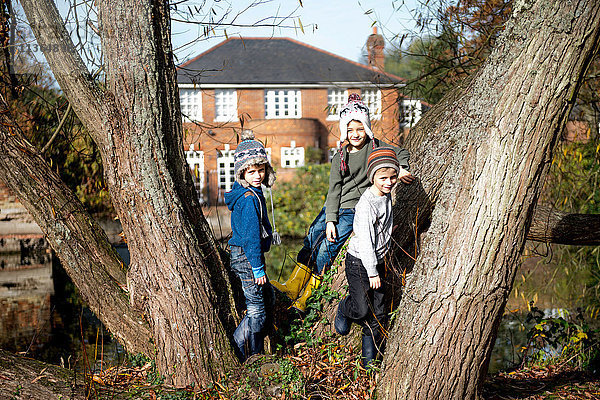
[369, 351]
[341, 323]
[240, 337]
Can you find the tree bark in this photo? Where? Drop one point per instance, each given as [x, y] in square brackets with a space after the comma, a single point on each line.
[79, 241]
[552, 226]
[27, 379]
[482, 154]
[176, 274]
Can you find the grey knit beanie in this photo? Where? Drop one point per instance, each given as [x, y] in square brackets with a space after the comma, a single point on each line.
[248, 153]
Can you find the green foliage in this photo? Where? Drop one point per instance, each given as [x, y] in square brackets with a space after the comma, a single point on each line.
[560, 341]
[289, 375]
[72, 153]
[572, 186]
[139, 361]
[428, 63]
[298, 201]
[301, 329]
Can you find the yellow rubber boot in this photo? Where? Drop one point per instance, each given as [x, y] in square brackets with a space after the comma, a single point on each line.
[297, 280]
[313, 283]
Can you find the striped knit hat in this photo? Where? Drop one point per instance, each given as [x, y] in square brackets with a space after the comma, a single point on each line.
[382, 157]
[248, 153]
[358, 111]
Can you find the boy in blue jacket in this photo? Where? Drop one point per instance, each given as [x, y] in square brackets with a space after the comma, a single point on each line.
[251, 238]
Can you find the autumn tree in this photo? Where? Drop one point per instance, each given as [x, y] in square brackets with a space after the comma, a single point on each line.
[175, 304]
[482, 155]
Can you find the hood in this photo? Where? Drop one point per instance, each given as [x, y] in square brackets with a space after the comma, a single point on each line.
[234, 194]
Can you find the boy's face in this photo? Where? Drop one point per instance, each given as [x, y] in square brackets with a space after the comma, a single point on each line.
[356, 134]
[254, 175]
[384, 180]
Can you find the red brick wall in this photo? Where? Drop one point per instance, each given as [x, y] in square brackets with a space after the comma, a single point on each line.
[6, 195]
[312, 130]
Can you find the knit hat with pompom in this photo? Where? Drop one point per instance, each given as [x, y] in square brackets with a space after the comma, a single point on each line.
[358, 111]
[251, 152]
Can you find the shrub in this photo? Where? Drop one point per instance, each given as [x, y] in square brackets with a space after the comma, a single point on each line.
[298, 201]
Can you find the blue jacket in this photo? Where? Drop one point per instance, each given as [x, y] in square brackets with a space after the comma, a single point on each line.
[245, 226]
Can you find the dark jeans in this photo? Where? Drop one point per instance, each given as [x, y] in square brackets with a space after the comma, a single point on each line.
[363, 305]
[259, 299]
[317, 252]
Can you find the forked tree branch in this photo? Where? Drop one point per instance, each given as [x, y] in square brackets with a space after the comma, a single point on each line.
[79, 241]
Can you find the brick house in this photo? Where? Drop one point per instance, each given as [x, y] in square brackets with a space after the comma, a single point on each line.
[288, 93]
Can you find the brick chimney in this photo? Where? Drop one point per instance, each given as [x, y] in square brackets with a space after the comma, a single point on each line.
[375, 45]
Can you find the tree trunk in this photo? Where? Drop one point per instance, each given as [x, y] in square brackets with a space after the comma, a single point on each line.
[176, 275]
[482, 155]
[79, 241]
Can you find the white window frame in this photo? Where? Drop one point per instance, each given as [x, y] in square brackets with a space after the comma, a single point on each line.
[336, 100]
[331, 153]
[372, 98]
[190, 101]
[195, 160]
[276, 100]
[225, 105]
[411, 112]
[292, 157]
[225, 168]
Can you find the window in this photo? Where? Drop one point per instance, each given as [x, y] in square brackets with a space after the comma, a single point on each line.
[225, 105]
[336, 100]
[292, 157]
[281, 103]
[195, 160]
[372, 98]
[410, 112]
[191, 104]
[225, 168]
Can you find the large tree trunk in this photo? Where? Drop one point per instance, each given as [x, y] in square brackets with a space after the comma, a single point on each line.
[482, 155]
[176, 275]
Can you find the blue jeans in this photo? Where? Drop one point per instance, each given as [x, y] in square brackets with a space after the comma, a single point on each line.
[259, 302]
[317, 252]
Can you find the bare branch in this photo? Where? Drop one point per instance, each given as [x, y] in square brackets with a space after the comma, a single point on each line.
[58, 128]
[552, 226]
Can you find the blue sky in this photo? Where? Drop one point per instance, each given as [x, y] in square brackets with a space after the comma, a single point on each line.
[338, 26]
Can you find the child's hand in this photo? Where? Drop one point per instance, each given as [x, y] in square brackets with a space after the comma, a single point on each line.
[261, 281]
[330, 231]
[405, 177]
[374, 282]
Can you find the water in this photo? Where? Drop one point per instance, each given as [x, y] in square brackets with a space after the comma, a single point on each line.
[42, 315]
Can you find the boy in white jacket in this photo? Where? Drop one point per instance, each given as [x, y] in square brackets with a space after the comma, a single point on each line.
[373, 222]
